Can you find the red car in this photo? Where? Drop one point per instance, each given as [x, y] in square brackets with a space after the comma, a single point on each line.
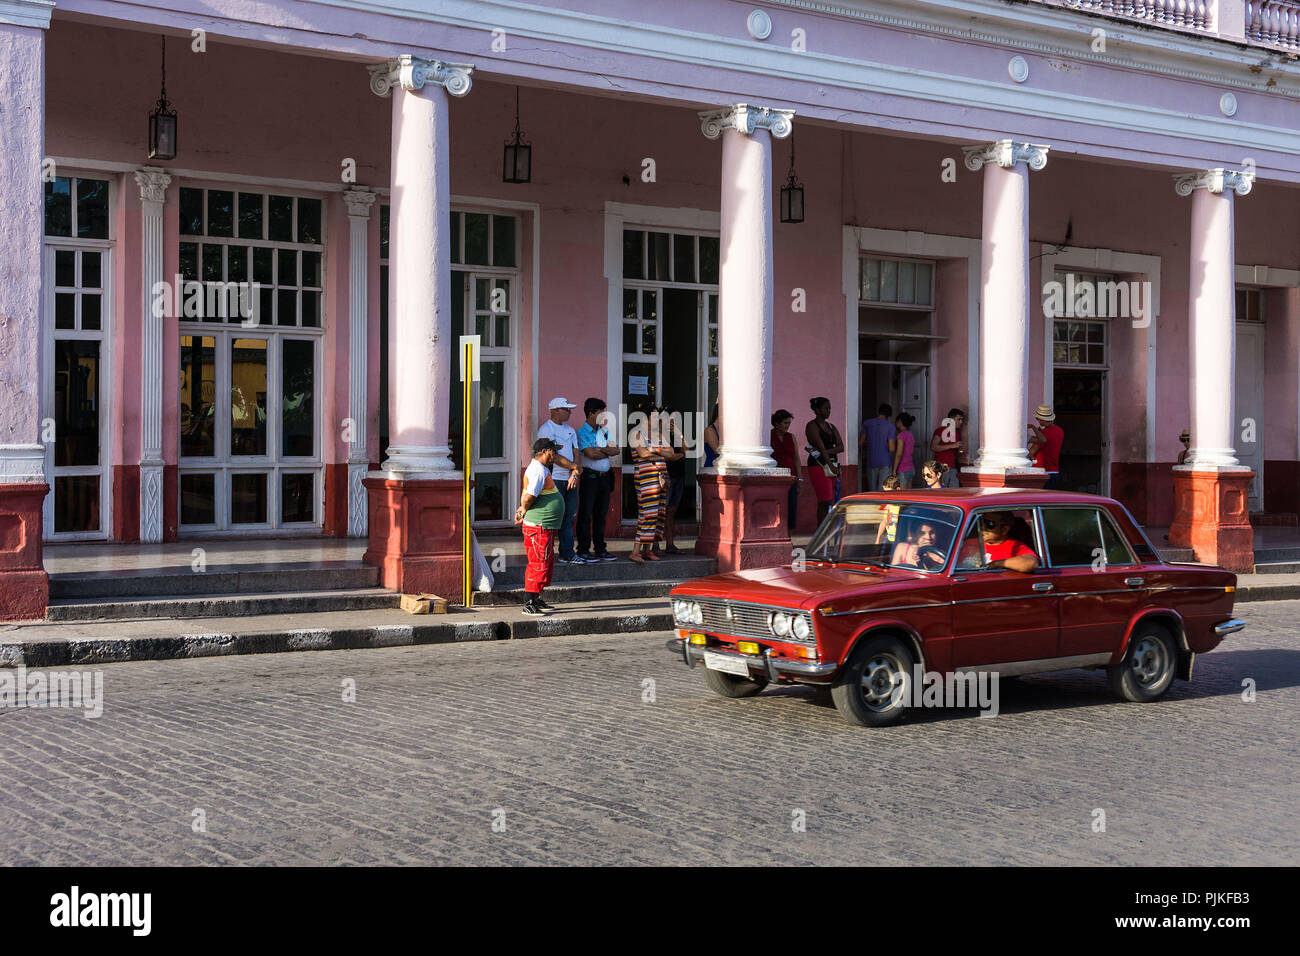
[961, 581]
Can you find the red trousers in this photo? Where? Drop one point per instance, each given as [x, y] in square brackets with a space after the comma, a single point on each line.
[539, 546]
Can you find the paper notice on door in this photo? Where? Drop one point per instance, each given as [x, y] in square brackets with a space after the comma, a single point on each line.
[638, 384]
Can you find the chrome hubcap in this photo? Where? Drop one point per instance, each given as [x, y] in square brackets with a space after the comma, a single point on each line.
[1149, 661]
[882, 682]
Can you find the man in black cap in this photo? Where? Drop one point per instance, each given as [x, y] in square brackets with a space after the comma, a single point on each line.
[541, 512]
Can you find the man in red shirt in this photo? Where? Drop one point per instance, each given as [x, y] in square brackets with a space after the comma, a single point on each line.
[947, 444]
[1002, 550]
[1045, 443]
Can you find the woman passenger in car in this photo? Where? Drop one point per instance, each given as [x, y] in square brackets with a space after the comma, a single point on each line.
[1002, 550]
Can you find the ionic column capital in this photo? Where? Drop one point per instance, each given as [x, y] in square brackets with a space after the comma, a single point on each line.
[1006, 153]
[745, 118]
[359, 199]
[413, 72]
[153, 183]
[1215, 180]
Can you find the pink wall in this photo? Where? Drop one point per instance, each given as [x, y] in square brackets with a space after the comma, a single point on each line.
[252, 113]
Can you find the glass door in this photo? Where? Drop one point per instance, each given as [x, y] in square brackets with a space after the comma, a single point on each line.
[73, 428]
[484, 304]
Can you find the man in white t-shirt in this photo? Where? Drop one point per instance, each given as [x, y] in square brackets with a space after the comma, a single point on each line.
[565, 472]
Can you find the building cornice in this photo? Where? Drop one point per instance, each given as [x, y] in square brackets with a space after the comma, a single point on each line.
[27, 13]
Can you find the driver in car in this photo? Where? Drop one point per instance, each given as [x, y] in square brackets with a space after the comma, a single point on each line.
[1001, 549]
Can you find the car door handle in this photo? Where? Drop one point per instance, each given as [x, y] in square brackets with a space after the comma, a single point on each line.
[1134, 582]
[1044, 587]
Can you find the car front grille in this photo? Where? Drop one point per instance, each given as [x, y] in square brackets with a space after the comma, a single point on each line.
[738, 619]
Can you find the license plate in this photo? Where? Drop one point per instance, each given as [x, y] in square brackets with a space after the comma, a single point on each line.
[726, 664]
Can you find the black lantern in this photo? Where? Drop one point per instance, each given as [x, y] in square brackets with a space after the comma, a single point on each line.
[792, 193]
[518, 164]
[162, 121]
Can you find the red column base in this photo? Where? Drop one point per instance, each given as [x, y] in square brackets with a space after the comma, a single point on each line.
[743, 520]
[415, 535]
[24, 585]
[1211, 517]
[1026, 478]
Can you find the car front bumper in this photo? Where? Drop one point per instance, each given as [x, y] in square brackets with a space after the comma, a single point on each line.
[1228, 627]
[765, 665]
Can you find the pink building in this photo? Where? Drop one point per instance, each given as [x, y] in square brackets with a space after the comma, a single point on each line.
[1083, 203]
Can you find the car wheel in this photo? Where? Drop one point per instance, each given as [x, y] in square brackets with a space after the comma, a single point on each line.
[729, 686]
[1148, 668]
[869, 690]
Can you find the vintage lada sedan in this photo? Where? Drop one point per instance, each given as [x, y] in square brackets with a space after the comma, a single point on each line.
[899, 584]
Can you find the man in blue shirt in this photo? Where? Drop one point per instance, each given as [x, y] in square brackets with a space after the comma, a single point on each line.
[595, 451]
[876, 447]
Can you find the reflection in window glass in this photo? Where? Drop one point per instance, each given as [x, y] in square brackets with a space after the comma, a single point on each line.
[250, 216]
[657, 249]
[298, 373]
[221, 213]
[248, 397]
[58, 207]
[65, 268]
[309, 227]
[476, 239]
[503, 241]
[683, 258]
[489, 496]
[633, 254]
[198, 499]
[297, 497]
[76, 503]
[280, 218]
[191, 202]
[198, 374]
[491, 410]
[92, 209]
[248, 499]
[76, 402]
[709, 260]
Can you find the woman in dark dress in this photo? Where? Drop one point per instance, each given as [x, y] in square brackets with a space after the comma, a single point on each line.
[786, 453]
[824, 447]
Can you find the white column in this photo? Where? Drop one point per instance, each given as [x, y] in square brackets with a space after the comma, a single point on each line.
[1211, 316]
[359, 201]
[153, 184]
[1005, 302]
[419, 288]
[745, 286]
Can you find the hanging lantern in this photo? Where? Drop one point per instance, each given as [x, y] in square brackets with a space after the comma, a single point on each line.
[792, 193]
[518, 164]
[162, 121]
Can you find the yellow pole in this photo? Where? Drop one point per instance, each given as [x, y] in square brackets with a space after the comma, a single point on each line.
[467, 562]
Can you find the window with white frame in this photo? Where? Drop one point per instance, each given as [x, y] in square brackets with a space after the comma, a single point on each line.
[1081, 339]
[250, 423]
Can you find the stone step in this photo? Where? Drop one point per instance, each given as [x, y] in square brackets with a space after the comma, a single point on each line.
[675, 568]
[1277, 567]
[566, 594]
[225, 579]
[106, 642]
[177, 607]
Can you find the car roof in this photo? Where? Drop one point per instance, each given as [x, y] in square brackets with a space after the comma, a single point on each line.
[969, 498]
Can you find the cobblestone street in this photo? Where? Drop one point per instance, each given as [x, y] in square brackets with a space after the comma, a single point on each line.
[555, 732]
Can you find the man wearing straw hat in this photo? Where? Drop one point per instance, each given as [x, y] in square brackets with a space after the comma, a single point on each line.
[1045, 443]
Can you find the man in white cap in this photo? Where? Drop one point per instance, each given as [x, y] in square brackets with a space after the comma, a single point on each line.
[1045, 443]
[565, 473]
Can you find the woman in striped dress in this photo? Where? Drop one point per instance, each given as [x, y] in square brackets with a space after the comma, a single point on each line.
[651, 491]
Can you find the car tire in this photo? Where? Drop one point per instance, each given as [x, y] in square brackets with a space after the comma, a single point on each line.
[728, 685]
[867, 691]
[1148, 667]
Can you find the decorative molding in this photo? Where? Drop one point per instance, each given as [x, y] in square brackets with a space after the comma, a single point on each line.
[1215, 180]
[360, 200]
[745, 118]
[413, 72]
[27, 13]
[22, 464]
[1006, 153]
[1018, 69]
[153, 183]
[1228, 104]
[759, 25]
[358, 501]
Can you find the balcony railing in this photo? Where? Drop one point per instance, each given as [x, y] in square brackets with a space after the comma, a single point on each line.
[1267, 23]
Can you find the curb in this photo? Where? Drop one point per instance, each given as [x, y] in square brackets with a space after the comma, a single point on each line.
[58, 653]
[1268, 592]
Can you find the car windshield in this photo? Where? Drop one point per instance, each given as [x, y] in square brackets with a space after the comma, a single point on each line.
[887, 534]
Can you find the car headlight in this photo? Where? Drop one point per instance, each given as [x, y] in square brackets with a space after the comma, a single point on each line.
[682, 612]
[799, 626]
[696, 613]
[779, 622]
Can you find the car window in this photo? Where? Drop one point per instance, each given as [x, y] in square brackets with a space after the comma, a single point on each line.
[973, 554]
[1078, 537]
[898, 534]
